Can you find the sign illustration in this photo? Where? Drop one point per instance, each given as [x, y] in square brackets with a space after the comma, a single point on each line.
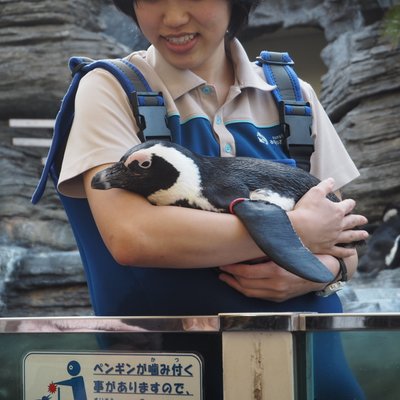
[112, 376]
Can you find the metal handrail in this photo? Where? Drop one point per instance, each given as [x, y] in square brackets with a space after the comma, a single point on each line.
[349, 322]
[269, 322]
[109, 324]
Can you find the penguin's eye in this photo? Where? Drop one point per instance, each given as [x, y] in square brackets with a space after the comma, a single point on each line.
[145, 164]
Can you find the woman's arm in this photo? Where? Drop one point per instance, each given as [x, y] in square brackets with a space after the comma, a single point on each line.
[138, 233]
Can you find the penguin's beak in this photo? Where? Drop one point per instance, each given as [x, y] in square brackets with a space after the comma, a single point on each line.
[112, 177]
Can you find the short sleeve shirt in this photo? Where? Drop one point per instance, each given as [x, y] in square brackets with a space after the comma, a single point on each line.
[247, 124]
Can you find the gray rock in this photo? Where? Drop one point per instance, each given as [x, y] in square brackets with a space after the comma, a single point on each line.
[36, 41]
[46, 283]
[48, 267]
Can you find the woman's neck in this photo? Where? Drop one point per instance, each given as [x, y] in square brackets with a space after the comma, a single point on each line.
[219, 72]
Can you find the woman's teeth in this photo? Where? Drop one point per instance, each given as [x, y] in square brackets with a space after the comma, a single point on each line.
[181, 39]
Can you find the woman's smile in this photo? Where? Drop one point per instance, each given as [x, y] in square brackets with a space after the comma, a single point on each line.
[188, 34]
[181, 43]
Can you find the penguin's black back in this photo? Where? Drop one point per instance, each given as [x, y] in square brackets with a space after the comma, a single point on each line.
[230, 178]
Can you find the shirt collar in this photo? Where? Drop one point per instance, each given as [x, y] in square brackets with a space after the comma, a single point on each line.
[248, 74]
[179, 82]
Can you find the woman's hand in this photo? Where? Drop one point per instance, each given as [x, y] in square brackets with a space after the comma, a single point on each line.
[323, 224]
[268, 281]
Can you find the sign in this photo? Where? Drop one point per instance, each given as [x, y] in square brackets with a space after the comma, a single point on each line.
[112, 376]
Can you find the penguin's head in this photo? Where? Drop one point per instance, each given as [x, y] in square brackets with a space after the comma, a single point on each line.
[149, 168]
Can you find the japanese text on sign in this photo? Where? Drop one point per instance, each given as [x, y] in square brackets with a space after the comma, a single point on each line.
[101, 376]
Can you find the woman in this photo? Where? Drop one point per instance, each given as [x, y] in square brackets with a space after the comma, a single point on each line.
[218, 103]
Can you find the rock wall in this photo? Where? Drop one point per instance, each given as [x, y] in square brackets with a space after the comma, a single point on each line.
[40, 270]
[364, 104]
[360, 90]
[36, 40]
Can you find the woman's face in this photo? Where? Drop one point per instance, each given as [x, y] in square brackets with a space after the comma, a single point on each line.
[188, 33]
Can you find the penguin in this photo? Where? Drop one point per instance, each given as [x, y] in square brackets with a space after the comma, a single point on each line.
[259, 192]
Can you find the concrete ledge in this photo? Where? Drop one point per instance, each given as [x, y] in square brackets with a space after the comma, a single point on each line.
[31, 142]
[31, 123]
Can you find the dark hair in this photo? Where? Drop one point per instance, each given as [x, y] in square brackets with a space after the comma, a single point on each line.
[239, 13]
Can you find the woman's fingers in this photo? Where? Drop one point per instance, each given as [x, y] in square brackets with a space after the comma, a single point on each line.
[351, 221]
[265, 281]
[326, 186]
[346, 206]
[323, 225]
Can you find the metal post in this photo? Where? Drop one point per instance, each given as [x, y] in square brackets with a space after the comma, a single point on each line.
[258, 362]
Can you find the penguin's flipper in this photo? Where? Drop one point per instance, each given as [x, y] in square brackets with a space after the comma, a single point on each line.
[271, 229]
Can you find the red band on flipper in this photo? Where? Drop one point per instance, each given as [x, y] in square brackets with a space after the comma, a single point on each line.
[234, 202]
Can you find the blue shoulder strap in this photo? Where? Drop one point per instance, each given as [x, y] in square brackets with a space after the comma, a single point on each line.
[147, 106]
[295, 114]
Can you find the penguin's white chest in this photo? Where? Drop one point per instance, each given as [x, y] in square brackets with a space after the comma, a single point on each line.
[188, 186]
[181, 192]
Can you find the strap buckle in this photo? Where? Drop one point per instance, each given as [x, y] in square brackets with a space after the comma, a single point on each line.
[296, 120]
[151, 116]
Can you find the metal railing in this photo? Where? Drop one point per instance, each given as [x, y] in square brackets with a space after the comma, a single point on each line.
[261, 356]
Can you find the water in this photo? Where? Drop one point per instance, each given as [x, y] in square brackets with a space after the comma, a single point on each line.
[373, 294]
